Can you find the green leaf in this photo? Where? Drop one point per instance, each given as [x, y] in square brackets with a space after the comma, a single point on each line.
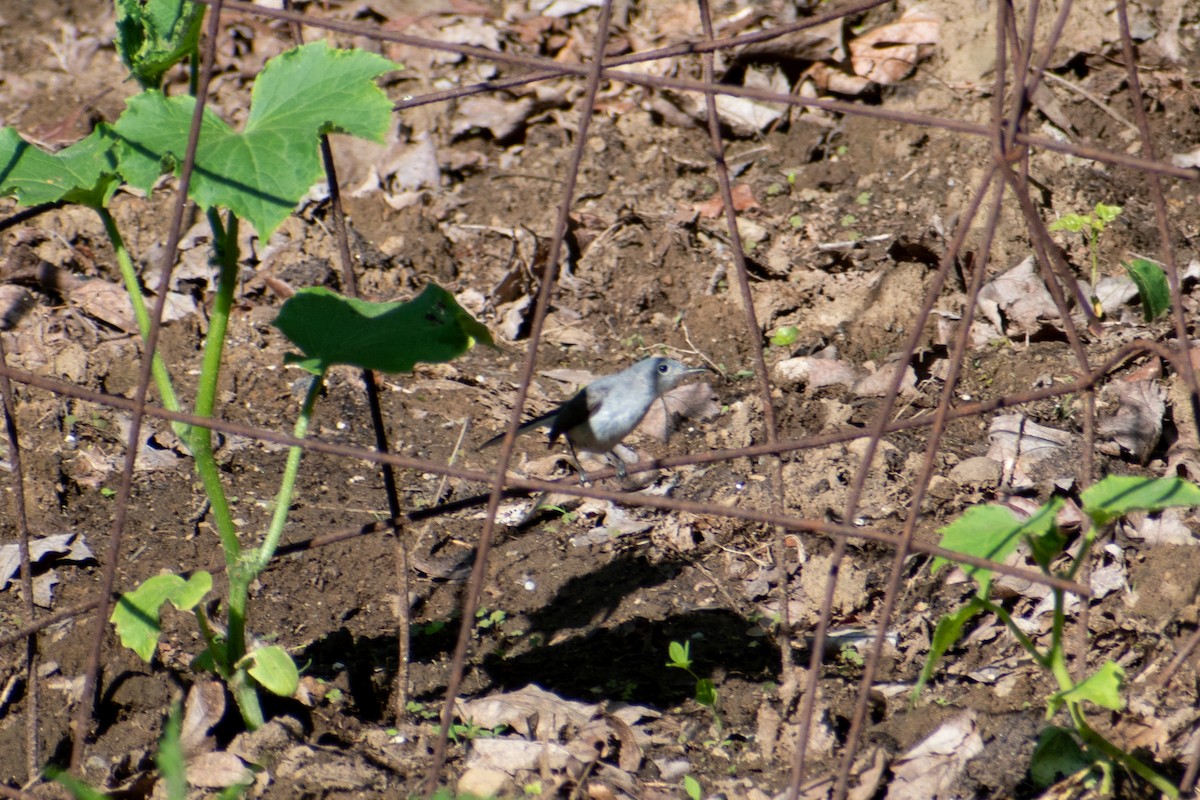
[990, 532]
[1103, 687]
[1106, 214]
[84, 173]
[261, 173]
[1071, 222]
[1056, 756]
[948, 631]
[154, 35]
[192, 592]
[1118, 495]
[137, 613]
[1152, 286]
[390, 337]
[680, 655]
[692, 788]
[274, 669]
[785, 336]
[706, 693]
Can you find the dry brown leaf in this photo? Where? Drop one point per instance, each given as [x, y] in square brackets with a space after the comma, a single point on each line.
[67, 546]
[532, 712]
[878, 382]
[217, 771]
[1017, 302]
[932, 769]
[743, 199]
[203, 709]
[889, 53]
[816, 373]
[1169, 527]
[1019, 444]
[1137, 424]
[498, 115]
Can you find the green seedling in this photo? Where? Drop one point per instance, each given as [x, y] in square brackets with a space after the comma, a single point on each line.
[486, 620]
[993, 532]
[849, 655]
[706, 692]
[468, 730]
[785, 336]
[422, 710]
[1091, 226]
[431, 628]
[692, 787]
[256, 175]
[564, 516]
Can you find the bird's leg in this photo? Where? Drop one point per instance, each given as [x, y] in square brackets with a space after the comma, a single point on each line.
[618, 464]
[583, 476]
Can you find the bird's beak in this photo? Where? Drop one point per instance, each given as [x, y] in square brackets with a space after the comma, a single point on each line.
[697, 370]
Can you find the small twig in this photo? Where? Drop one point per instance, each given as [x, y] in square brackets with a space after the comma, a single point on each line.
[1100, 104]
[852, 243]
[687, 337]
[462, 435]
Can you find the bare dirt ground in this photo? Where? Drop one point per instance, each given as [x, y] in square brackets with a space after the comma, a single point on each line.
[845, 218]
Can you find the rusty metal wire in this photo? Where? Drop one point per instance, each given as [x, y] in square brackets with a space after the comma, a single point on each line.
[1019, 68]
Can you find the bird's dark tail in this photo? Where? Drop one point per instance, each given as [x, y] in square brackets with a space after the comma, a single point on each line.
[537, 422]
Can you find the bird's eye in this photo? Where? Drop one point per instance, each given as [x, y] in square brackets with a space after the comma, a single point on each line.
[664, 368]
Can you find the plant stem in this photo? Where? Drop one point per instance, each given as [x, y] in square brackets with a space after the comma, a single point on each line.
[1042, 659]
[240, 684]
[206, 391]
[162, 379]
[1095, 740]
[258, 561]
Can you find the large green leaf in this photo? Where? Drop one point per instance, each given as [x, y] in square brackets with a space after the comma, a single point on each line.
[991, 532]
[389, 337]
[154, 35]
[85, 172]
[1118, 495]
[261, 173]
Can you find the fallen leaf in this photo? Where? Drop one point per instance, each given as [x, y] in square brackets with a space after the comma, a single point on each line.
[1137, 424]
[932, 769]
[1019, 444]
[743, 199]
[65, 546]
[889, 53]
[1017, 301]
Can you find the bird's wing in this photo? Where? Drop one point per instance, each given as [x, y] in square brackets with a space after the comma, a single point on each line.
[576, 411]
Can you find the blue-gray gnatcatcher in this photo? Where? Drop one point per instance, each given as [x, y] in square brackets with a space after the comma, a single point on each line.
[607, 410]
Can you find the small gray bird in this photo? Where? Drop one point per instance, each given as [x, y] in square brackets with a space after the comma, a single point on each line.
[607, 410]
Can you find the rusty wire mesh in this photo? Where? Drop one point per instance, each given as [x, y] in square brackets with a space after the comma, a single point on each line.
[1020, 60]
